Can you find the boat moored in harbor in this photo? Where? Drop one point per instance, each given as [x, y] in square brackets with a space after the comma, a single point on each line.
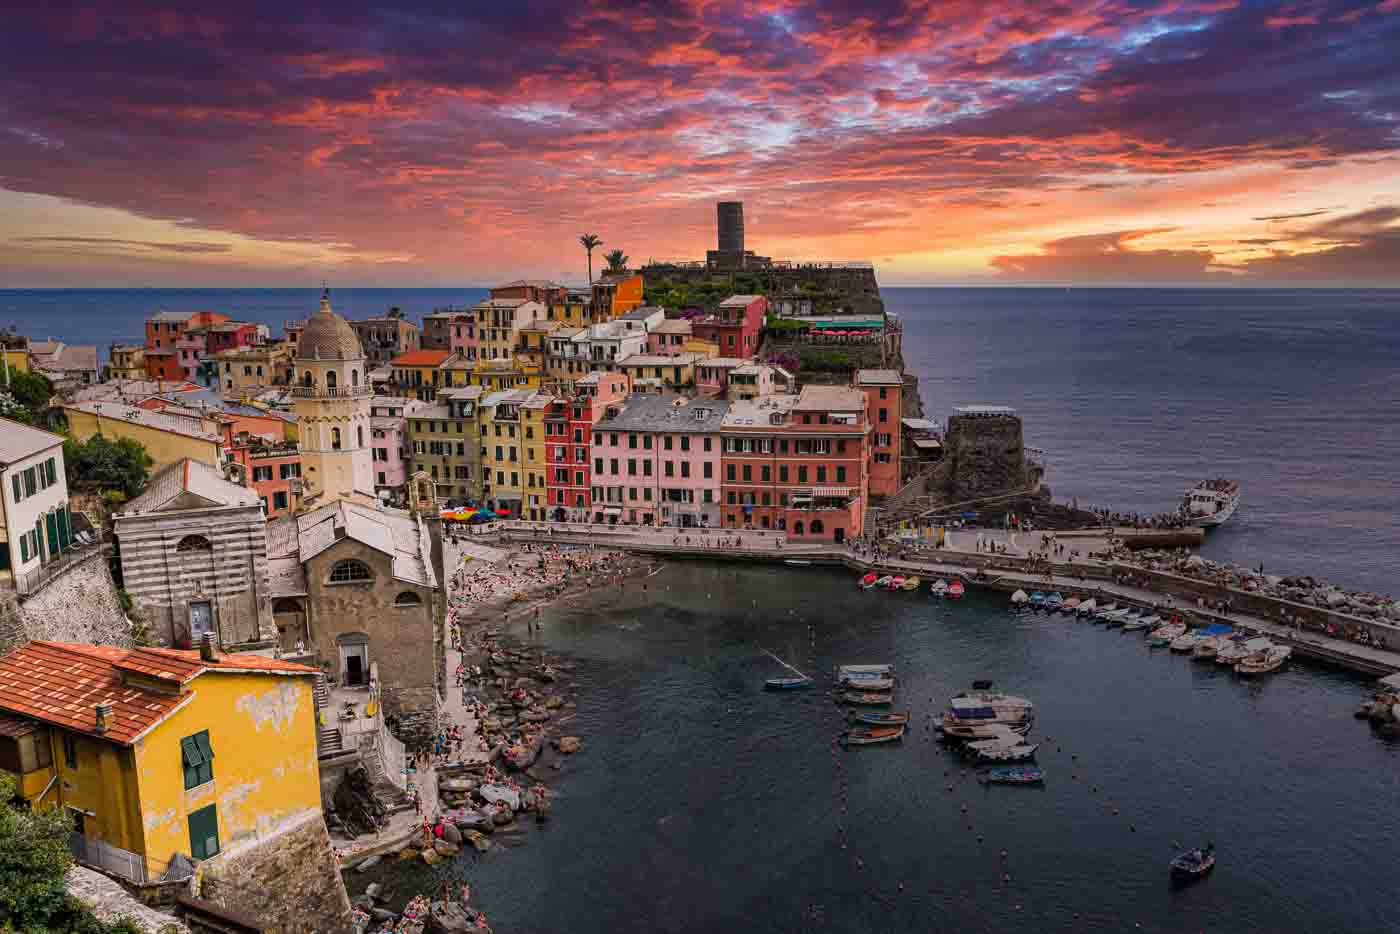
[1211, 502]
[869, 735]
[956, 590]
[787, 684]
[1193, 864]
[877, 718]
[1019, 599]
[1014, 775]
[1261, 663]
[938, 588]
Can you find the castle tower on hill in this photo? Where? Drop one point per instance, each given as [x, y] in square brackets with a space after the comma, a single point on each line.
[332, 403]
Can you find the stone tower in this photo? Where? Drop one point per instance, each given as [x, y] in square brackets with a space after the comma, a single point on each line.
[332, 404]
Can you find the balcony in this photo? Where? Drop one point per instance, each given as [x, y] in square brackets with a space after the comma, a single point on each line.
[335, 392]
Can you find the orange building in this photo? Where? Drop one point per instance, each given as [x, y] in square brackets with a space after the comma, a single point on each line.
[615, 294]
[884, 410]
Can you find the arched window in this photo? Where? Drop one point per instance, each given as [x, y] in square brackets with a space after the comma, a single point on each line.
[335, 439]
[308, 380]
[816, 526]
[286, 605]
[797, 527]
[194, 543]
[330, 379]
[350, 570]
[360, 436]
[408, 598]
[354, 377]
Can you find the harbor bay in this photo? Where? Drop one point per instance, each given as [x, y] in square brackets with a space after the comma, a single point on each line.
[693, 775]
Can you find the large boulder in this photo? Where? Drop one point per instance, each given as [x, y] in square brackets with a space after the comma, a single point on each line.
[569, 744]
[431, 856]
[478, 841]
[450, 919]
[451, 834]
[445, 848]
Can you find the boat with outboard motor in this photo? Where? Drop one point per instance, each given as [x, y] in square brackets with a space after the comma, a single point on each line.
[1262, 663]
[868, 682]
[867, 698]
[1002, 745]
[1054, 602]
[1037, 600]
[1144, 622]
[1237, 649]
[938, 588]
[1088, 608]
[1212, 639]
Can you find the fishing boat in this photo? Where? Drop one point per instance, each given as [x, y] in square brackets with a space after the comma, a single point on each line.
[1087, 608]
[847, 671]
[1124, 618]
[884, 581]
[1237, 650]
[1211, 502]
[867, 582]
[955, 590]
[938, 588]
[954, 727]
[869, 735]
[1162, 636]
[913, 583]
[787, 684]
[1014, 775]
[1053, 602]
[1004, 745]
[1106, 609]
[1037, 600]
[1186, 642]
[867, 698]
[1193, 864]
[1007, 706]
[1261, 663]
[1213, 638]
[896, 582]
[1019, 599]
[1145, 622]
[877, 718]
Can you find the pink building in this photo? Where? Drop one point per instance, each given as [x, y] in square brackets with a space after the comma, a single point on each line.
[668, 337]
[712, 375]
[735, 327]
[390, 449]
[656, 461]
[568, 434]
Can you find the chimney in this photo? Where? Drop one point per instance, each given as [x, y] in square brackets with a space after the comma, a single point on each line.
[207, 652]
[104, 715]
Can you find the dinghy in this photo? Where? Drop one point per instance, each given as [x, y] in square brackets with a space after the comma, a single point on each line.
[955, 590]
[787, 684]
[869, 735]
[1019, 599]
[1014, 775]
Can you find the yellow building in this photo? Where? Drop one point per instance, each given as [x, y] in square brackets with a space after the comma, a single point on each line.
[156, 752]
[503, 450]
[248, 369]
[126, 361]
[498, 324]
[536, 497]
[653, 373]
[166, 437]
[420, 373]
[515, 374]
[331, 402]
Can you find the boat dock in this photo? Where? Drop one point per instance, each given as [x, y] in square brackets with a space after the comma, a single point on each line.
[1000, 572]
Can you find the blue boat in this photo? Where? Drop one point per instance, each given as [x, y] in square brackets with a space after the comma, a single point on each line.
[1037, 600]
[787, 684]
[874, 718]
[1015, 775]
[1054, 602]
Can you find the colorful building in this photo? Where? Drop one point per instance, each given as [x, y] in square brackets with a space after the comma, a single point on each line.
[573, 309]
[126, 361]
[232, 335]
[386, 337]
[419, 373]
[735, 326]
[668, 337]
[884, 411]
[331, 399]
[249, 369]
[648, 373]
[531, 290]
[154, 753]
[444, 441]
[392, 448]
[503, 450]
[657, 460]
[166, 437]
[34, 524]
[569, 434]
[797, 463]
[533, 411]
[615, 294]
[498, 324]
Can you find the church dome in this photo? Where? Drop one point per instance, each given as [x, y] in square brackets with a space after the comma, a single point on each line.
[328, 336]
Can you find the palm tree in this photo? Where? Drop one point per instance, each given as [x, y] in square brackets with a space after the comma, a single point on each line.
[590, 242]
[617, 261]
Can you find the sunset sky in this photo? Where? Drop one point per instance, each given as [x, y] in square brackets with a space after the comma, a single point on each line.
[976, 141]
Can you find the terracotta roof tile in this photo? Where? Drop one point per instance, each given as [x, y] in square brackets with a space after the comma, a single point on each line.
[62, 683]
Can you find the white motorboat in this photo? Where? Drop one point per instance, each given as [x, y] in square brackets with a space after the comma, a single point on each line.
[1206, 649]
[1115, 617]
[1165, 635]
[1106, 609]
[1005, 706]
[1020, 598]
[1233, 652]
[1211, 502]
[1003, 745]
[1142, 622]
[884, 581]
[846, 672]
[1088, 607]
[1259, 663]
[939, 588]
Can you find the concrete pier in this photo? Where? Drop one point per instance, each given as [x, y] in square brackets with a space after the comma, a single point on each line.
[1007, 573]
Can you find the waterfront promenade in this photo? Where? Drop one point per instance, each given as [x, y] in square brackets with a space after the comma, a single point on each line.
[1002, 572]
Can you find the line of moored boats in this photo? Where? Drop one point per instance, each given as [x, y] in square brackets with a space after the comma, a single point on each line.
[1217, 642]
[952, 590]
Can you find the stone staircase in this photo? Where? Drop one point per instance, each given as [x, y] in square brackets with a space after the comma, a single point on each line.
[328, 742]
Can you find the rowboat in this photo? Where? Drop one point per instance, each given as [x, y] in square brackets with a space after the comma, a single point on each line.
[1162, 636]
[884, 581]
[869, 735]
[843, 672]
[1262, 663]
[1053, 602]
[1104, 610]
[787, 684]
[1132, 616]
[1237, 650]
[896, 582]
[1019, 599]
[1143, 622]
[1186, 642]
[868, 683]
[1037, 600]
[955, 590]
[877, 718]
[938, 588]
[959, 728]
[1193, 864]
[1014, 775]
[913, 583]
[1004, 745]
[1071, 605]
[867, 698]
[1088, 607]
[866, 582]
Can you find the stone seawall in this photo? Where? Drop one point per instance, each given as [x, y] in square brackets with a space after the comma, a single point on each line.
[288, 879]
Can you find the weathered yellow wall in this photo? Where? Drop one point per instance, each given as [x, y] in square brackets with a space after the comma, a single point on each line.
[262, 731]
[164, 446]
[17, 359]
[103, 786]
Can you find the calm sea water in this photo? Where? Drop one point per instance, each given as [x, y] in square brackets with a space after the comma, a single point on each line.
[702, 803]
[1135, 393]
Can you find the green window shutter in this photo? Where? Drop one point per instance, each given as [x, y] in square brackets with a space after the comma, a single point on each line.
[24, 548]
[19, 492]
[201, 739]
[65, 537]
[52, 466]
[51, 525]
[204, 833]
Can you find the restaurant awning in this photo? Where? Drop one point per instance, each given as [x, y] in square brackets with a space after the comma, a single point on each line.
[831, 491]
[612, 510]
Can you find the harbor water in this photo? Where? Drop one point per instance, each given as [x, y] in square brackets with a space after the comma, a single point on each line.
[703, 803]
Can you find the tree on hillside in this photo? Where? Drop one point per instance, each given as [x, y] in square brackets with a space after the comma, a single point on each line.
[27, 395]
[617, 260]
[590, 243]
[101, 465]
[34, 864]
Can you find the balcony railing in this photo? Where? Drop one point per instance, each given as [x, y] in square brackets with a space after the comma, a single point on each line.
[332, 392]
[124, 863]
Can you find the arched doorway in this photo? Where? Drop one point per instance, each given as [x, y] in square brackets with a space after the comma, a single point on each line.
[289, 616]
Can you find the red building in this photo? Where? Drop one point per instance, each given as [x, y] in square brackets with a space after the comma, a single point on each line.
[230, 335]
[884, 410]
[272, 470]
[735, 327]
[797, 464]
[163, 329]
[568, 436]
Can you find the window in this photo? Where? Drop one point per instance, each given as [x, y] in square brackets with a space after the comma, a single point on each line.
[597, 465]
[194, 543]
[279, 499]
[262, 473]
[821, 474]
[646, 468]
[782, 473]
[840, 474]
[884, 393]
[408, 599]
[204, 833]
[685, 468]
[884, 415]
[817, 527]
[707, 445]
[767, 473]
[70, 750]
[666, 442]
[335, 439]
[801, 474]
[670, 468]
[349, 571]
[198, 758]
[685, 442]
[709, 471]
[748, 473]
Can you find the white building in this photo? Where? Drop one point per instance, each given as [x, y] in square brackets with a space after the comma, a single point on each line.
[33, 503]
